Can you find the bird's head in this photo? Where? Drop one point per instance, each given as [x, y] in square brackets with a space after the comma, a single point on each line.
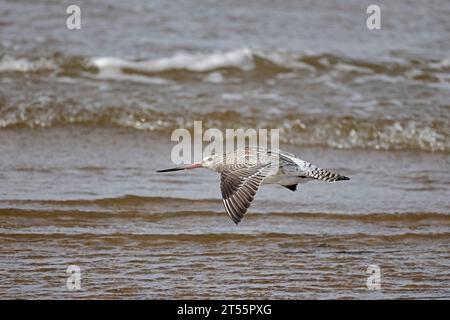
[212, 161]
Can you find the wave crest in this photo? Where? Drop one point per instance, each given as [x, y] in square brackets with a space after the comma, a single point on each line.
[345, 132]
[243, 59]
[428, 131]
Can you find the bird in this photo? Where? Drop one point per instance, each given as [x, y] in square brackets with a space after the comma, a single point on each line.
[243, 171]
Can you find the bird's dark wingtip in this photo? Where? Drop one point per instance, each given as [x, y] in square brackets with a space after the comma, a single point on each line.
[340, 178]
[235, 220]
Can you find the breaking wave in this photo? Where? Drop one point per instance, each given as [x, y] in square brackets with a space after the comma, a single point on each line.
[243, 59]
[346, 131]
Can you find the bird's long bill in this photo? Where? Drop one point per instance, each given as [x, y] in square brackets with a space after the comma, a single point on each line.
[184, 167]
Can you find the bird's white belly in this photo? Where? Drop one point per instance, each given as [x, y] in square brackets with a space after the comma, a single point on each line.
[284, 180]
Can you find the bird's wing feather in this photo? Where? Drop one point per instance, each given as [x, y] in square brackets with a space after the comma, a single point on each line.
[239, 184]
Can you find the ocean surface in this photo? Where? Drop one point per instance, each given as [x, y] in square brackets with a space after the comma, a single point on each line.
[86, 118]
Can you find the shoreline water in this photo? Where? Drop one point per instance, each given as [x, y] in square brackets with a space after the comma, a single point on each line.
[91, 197]
[86, 117]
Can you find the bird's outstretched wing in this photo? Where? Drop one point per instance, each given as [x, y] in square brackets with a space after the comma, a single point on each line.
[239, 184]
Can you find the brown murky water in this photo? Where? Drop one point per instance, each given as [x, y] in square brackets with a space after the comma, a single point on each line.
[86, 117]
[90, 197]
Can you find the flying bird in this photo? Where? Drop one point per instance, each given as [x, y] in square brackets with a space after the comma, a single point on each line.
[242, 172]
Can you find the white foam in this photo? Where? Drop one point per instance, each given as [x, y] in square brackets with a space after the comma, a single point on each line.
[232, 96]
[214, 77]
[444, 63]
[9, 64]
[239, 58]
[345, 67]
[117, 75]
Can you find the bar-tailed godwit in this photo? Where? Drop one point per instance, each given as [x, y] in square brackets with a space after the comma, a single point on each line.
[243, 171]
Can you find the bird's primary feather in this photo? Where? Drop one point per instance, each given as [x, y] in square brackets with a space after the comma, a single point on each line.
[239, 185]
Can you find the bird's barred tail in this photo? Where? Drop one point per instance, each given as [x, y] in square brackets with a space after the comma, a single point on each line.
[325, 175]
